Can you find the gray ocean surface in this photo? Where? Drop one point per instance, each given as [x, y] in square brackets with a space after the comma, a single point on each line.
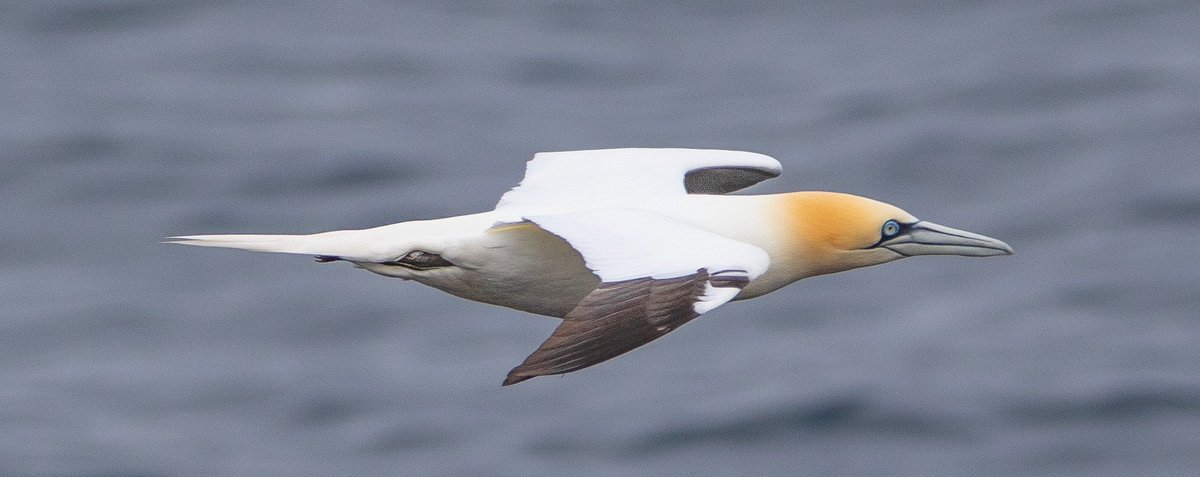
[1069, 129]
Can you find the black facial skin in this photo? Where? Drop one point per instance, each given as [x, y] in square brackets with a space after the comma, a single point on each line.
[900, 229]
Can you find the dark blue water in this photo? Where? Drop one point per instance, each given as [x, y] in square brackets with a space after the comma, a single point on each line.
[1069, 129]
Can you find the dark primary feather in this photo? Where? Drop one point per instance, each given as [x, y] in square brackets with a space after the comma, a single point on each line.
[616, 318]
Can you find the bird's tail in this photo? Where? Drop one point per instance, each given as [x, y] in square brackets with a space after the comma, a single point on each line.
[254, 243]
[345, 244]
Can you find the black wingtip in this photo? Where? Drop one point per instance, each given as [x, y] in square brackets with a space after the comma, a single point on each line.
[514, 378]
[327, 258]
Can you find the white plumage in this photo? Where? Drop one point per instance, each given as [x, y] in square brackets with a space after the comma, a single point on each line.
[627, 245]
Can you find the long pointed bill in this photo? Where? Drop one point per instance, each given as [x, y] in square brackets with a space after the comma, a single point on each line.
[927, 238]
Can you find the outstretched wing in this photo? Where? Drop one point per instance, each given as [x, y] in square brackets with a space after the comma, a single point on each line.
[656, 274]
[638, 172]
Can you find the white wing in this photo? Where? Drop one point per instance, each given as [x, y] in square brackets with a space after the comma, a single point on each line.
[656, 274]
[610, 175]
[623, 244]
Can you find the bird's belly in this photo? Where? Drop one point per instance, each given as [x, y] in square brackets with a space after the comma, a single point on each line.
[518, 266]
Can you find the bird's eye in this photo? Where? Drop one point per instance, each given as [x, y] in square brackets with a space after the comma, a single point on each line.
[891, 228]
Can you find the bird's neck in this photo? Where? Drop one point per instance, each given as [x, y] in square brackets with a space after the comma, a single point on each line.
[776, 223]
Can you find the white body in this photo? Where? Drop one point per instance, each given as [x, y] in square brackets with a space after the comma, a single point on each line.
[520, 266]
[640, 221]
[629, 244]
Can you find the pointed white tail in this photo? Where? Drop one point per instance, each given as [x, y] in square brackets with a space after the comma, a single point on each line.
[255, 243]
[379, 244]
[355, 245]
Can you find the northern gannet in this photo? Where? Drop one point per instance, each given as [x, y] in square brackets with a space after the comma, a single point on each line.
[626, 245]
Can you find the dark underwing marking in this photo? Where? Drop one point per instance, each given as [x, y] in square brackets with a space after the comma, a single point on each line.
[729, 281]
[723, 180]
[420, 260]
[618, 317]
[328, 258]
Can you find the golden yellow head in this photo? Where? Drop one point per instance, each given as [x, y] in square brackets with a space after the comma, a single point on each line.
[835, 232]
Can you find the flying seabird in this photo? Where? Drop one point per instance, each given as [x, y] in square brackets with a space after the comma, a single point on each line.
[626, 245]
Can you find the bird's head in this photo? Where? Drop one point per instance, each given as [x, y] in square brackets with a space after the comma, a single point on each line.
[841, 231]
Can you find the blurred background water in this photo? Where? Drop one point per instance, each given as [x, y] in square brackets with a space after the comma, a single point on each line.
[1069, 129]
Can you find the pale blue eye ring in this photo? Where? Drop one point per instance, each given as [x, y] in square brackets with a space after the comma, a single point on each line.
[891, 228]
